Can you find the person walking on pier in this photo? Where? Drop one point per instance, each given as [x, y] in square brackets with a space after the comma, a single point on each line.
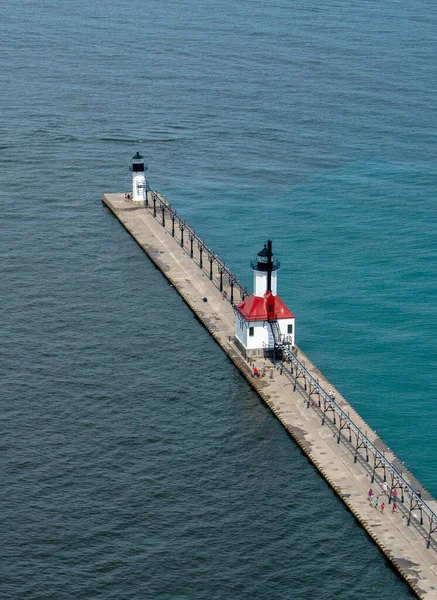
[376, 502]
[370, 495]
[331, 394]
[382, 507]
[384, 488]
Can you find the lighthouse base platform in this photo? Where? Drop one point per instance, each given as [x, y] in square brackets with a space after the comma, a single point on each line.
[254, 353]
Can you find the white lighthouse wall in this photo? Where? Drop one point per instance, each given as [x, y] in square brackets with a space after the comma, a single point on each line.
[252, 344]
[260, 283]
[283, 326]
[275, 283]
[240, 329]
[259, 339]
[138, 186]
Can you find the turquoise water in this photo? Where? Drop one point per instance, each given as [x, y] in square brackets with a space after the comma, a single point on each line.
[126, 471]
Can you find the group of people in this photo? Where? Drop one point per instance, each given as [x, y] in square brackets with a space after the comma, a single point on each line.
[374, 499]
[394, 497]
[370, 496]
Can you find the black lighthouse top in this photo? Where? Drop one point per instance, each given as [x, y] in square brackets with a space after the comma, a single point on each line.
[137, 162]
[266, 262]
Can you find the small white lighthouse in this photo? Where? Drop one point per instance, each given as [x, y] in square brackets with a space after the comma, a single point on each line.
[139, 186]
[262, 320]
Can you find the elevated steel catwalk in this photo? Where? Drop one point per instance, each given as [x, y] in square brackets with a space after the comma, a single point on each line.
[326, 403]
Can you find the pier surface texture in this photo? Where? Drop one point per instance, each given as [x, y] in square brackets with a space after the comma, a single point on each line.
[406, 536]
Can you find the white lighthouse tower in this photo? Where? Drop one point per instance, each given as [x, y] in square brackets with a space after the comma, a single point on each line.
[139, 186]
[265, 273]
[262, 319]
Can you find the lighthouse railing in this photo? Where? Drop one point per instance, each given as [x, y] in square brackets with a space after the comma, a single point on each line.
[222, 269]
[256, 265]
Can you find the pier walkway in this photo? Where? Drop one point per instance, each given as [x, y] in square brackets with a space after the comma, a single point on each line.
[344, 449]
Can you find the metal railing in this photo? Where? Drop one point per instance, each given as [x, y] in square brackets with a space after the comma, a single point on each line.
[161, 209]
[326, 403]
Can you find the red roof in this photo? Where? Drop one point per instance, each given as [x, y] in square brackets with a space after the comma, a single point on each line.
[257, 308]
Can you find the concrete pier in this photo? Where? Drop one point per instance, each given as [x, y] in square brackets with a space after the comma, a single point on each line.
[408, 536]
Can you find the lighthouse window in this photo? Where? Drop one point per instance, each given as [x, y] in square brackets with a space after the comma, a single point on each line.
[290, 328]
[251, 331]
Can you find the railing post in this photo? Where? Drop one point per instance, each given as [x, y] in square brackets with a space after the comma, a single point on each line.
[221, 280]
[428, 541]
[232, 290]
[163, 214]
[154, 205]
[211, 259]
[373, 472]
[201, 256]
[182, 234]
[147, 194]
[172, 225]
[392, 487]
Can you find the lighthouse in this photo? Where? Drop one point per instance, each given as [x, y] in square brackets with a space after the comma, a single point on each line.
[263, 322]
[139, 185]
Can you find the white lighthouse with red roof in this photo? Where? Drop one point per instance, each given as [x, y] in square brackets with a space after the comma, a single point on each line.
[262, 319]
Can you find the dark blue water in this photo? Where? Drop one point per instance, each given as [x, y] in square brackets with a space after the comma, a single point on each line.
[135, 461]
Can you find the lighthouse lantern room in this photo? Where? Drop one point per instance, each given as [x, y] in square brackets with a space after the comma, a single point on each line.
[263, 320]
[139, 184]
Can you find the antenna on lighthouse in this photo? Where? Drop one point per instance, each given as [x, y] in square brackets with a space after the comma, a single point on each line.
[139, 184]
